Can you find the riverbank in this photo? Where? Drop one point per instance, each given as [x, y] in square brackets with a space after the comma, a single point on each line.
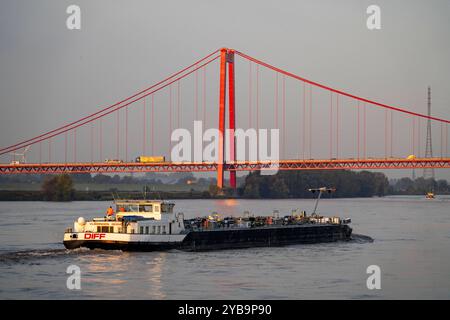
[35, 195]
[11, 195]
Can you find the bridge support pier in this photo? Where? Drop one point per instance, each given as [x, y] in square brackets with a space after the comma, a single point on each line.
[222, 102]
[226, 59]
[231, 114]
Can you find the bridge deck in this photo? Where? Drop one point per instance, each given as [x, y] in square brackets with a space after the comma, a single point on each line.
[312, 164]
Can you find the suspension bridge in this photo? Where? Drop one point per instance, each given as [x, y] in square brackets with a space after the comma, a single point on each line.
[321, 128]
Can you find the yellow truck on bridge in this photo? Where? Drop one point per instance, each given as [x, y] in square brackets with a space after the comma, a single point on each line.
[150, 159]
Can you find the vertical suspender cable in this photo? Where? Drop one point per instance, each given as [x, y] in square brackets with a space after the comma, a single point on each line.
[442, 140]
[413, 142]
[331, 124]
[299, 121]
[75, 145]
[153, 124]
[310, 121]
[414, 135]
[418, 138]
[170, 117]
[304, 120]
[100, 138]
[284, 117]
[126, 134]
[65, 147]
[337, 126]
[392, 133]
[178, 104]
[365, 132]
[358, 129]
[204, 96]
[385, 133]
[257, 98]
[276, 100]
[40, 152]
[92, 142]
[446, 140]
[144, 144]
[250, 85]
[117, 134]
[196, 95]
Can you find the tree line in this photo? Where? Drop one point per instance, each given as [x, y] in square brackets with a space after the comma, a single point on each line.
[284, 184]
[295, 184]
[408, 186]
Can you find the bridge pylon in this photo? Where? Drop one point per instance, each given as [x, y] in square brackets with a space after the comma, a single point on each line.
[226, 60]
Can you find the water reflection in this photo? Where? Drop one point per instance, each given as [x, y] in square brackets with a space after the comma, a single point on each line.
[227, 207]
[154, 275]
[105, 267]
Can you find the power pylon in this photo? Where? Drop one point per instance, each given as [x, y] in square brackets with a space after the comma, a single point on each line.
[429, 172]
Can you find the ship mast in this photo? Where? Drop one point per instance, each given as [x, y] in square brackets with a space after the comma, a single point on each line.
[320, 190]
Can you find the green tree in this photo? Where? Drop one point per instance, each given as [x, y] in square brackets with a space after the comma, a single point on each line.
[295, 184]
[81, 177]
[278, 189]
[101, 178]
[213, 190]
[251, 185]
[58, 188]
[442, 186]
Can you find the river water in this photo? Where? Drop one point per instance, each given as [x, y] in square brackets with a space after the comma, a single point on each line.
[411, 245]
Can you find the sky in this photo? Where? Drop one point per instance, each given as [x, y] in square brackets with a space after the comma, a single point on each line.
[50, 75]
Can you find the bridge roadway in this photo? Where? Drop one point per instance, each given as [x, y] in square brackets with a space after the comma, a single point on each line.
[312, 164]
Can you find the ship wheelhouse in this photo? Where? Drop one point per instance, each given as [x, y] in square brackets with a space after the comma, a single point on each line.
[144, 208]
[153, 217]
[150, 217]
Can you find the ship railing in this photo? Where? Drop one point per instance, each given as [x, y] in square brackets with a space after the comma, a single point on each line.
[220, 225]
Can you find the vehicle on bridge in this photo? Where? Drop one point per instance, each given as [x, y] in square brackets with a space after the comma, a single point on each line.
[113, 161]
[150, 159]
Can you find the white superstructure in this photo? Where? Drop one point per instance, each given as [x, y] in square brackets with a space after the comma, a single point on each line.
[133, 220]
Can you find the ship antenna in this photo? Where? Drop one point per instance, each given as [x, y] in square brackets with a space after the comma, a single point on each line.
[320, 190]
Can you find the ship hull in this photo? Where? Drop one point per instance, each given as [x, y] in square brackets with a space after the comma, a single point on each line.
[225, 239]
[265, 237]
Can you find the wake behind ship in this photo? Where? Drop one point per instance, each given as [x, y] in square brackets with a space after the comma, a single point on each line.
[151, 225]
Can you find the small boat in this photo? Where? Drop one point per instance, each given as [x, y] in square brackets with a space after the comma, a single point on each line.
[429, 195]
[152, 225]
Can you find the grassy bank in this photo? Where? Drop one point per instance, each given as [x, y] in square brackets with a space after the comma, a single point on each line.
[102, 187]
[14, 195]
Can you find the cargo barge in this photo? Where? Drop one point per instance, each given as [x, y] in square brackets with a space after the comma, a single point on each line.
[152, 225]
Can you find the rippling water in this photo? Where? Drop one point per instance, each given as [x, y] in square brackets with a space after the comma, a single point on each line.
[411, 245]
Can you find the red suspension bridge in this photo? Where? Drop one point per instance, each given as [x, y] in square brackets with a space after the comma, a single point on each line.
[320, 127]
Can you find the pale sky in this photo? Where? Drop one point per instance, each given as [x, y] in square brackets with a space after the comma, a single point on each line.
[50, 75]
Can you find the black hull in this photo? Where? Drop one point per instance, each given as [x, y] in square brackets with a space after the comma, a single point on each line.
[230, 239]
